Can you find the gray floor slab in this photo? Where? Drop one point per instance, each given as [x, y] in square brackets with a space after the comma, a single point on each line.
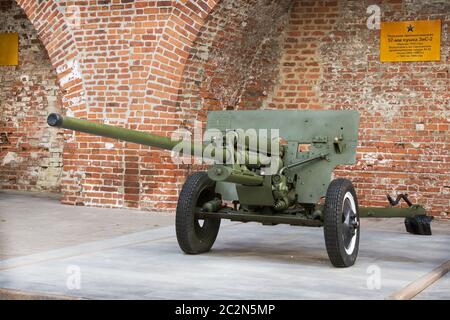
[35, 222]
[249, 261]
[125, 254]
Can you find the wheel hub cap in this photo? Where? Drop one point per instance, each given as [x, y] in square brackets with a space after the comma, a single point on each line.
[350, 223]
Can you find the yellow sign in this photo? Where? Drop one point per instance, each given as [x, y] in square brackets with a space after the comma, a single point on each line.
[9, 49]
[410, 41]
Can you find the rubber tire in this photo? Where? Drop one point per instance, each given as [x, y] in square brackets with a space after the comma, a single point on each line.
[191, 239]
[333, 213]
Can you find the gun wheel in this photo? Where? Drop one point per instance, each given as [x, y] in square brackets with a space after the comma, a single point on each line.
[341, 223]
[194, 235]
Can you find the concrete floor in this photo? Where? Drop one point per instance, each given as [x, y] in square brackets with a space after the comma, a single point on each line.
[45, 248]
[35, 222]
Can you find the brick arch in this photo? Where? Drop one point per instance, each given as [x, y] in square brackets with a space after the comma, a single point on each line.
[30, 151]
[166, 85]
[173, 49]
[234, 60]
[173, 54]
[55, 34]
[163, 80]
[167, 109]
[57, 37]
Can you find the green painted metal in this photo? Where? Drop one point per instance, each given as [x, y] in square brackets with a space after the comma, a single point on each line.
[328, 132]
[391, 212]
[128, 135]
[302, 220]
[383, 212]
[267, 219]
[235, 175]
[118, 133]
[255, 195]
[212, 205]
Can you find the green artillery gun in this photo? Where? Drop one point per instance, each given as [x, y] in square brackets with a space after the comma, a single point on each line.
[277, 178]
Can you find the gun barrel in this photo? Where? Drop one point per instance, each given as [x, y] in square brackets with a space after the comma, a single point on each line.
[109, 131]
[162, 142]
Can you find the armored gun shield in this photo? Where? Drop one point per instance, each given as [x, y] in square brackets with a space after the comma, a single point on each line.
[309, 136]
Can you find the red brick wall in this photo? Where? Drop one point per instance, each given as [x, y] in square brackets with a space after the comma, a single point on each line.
[331, 61]
[234, 60]
[30, 152]
[131, 59]
[136, 63]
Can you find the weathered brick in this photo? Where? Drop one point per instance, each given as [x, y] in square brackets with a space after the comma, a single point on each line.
[158, 65]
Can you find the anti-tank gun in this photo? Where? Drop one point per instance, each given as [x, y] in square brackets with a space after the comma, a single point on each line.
[272, 167]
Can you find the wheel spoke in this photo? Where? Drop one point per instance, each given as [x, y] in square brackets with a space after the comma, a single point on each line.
[348, 223]
[347, 234]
